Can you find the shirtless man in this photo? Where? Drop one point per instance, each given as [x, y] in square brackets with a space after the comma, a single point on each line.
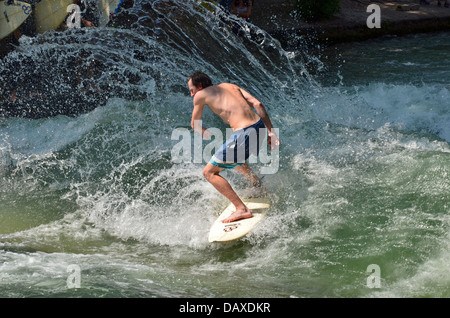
[234, 105]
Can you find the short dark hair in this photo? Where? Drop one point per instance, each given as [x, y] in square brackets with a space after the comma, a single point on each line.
[200, 78]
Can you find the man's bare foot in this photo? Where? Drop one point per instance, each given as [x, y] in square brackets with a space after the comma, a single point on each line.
[240, 214]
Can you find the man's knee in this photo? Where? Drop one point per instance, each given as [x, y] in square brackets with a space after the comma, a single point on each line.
[206, 173]
[209, 171]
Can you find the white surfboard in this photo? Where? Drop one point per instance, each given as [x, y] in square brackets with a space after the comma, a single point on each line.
[107, 7]
[12, 16]
[49, 14]
[224, 232]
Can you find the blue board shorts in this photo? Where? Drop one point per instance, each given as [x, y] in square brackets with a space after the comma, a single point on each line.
[238, 148]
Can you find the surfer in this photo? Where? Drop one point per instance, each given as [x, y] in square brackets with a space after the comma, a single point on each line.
[234, 105]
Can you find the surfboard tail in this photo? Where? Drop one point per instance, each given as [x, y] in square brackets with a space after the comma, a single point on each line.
[225, 232]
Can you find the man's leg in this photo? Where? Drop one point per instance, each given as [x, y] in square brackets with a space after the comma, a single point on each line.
[211, 173]
[258, 189]
[249, 174]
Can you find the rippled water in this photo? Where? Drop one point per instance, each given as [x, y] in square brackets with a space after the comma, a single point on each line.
[360, 201]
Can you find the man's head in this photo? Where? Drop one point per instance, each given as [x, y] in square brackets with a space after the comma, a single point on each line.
[198, 81]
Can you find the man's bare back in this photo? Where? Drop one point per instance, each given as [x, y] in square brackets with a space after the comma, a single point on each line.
[231, 103]
[227, 101]
[234, 105]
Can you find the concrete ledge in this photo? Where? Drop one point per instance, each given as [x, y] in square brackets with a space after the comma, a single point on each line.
[397, 18]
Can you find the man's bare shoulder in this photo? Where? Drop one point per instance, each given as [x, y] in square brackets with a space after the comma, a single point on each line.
[228, 86]
[210, 94]
[215, 90]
